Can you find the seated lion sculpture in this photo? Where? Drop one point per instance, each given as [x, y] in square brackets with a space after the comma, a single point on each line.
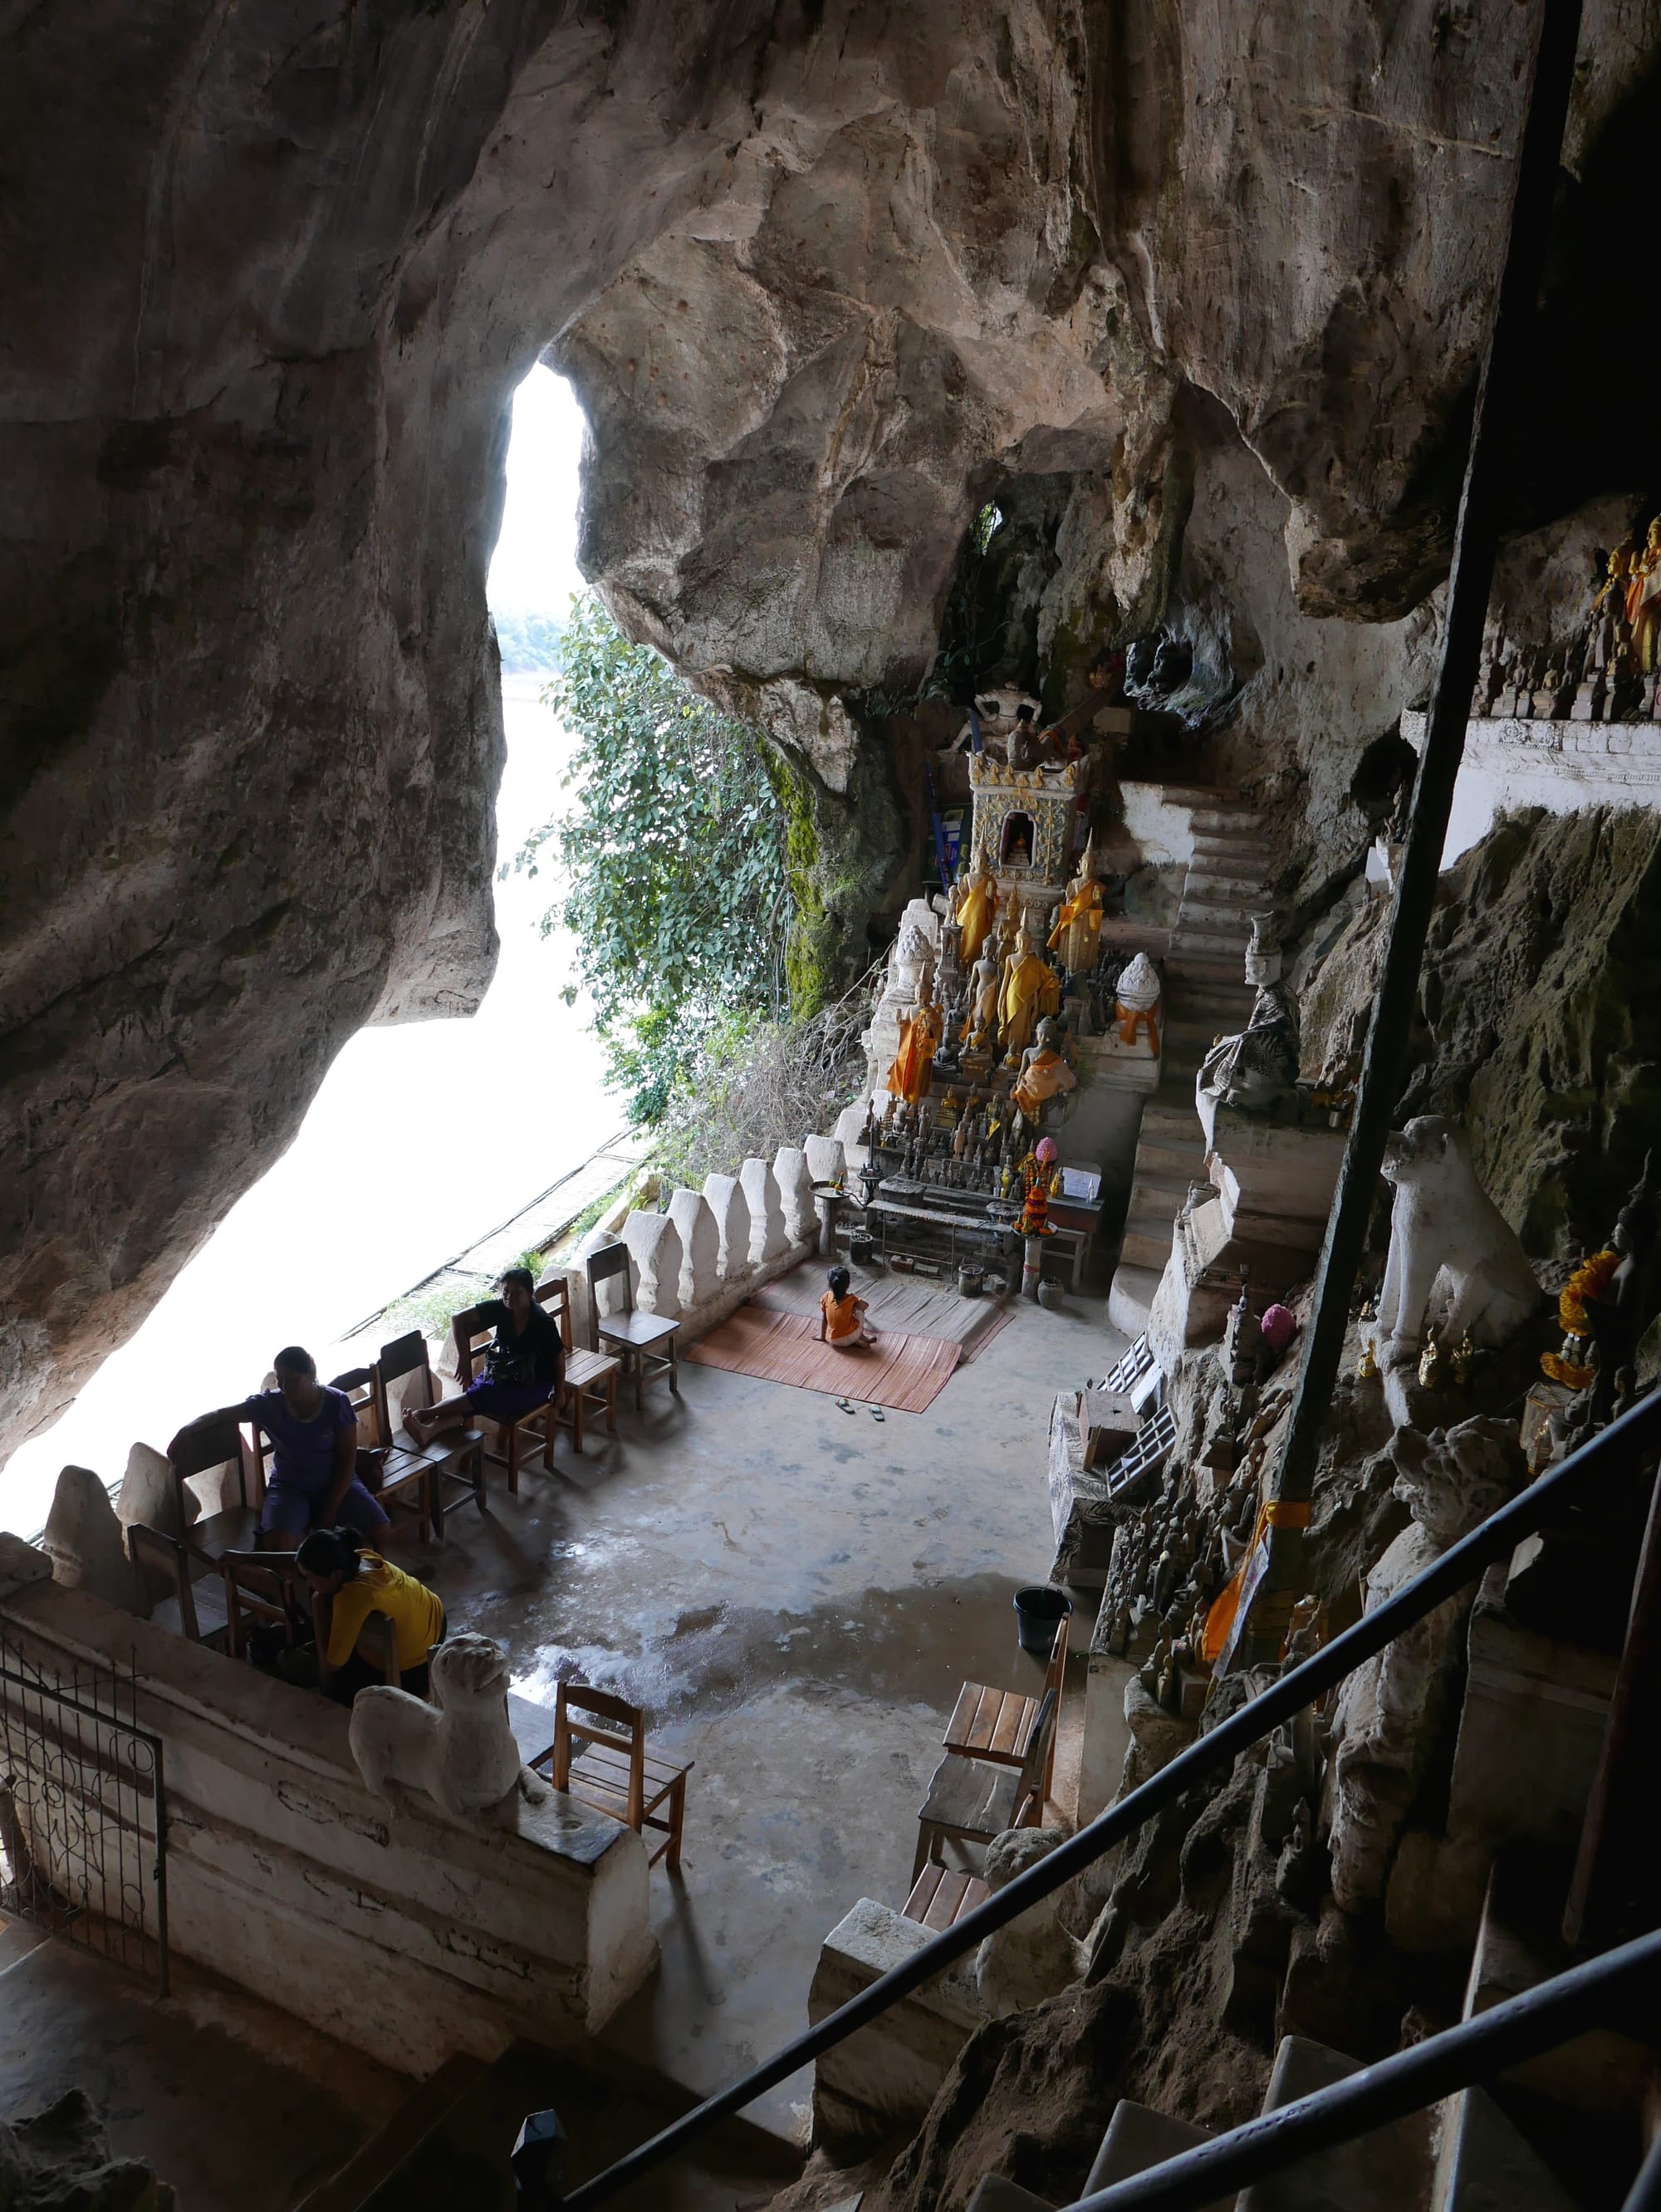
[463, 1754]
[1452, 1251]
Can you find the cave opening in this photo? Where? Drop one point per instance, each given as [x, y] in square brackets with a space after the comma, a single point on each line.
[420, 1138]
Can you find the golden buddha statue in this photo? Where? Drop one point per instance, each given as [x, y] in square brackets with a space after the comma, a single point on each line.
[1644, 600]
[1030, 989]
[1077, 933]
[974, 908]
[920, 1032]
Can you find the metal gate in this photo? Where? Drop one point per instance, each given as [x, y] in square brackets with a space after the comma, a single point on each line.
[83, 1827]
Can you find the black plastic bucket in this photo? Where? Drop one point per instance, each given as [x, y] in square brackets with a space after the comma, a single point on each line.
[1038, 1612]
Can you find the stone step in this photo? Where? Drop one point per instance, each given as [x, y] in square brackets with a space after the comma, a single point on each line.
[1213, 944]
[398, 2139]
[1176, 1124]
[1228, 1002]
[994, 2194]
[1197, 968]
[1225, 821]
[1193, 794]
[1251, 893]
[1147, 1241]
[1483, 2165]
[1158, 1195]
[1383, 2171]
[1206, 898]
[1131, 1297]
[1162, 1163]
[1139, 2138]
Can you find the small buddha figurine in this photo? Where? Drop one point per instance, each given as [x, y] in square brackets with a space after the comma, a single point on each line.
[1077, 932]
[1029, 989]
[1018, 851]
[1022, 750]
[920, 1033]
[1043, 1073]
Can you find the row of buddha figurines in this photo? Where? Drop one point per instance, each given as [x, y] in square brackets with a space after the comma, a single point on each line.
[732, 1231]
[1010, 1010]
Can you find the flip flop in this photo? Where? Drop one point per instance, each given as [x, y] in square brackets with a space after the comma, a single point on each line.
[846, 1406]
[877, 1414]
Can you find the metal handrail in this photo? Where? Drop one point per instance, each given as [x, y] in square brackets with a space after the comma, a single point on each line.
[1472, 2051]
[1496, 1538]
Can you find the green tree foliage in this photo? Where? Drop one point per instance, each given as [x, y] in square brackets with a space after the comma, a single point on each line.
[670, 860]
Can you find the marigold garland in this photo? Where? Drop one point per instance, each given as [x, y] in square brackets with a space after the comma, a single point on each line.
[1589, 1281]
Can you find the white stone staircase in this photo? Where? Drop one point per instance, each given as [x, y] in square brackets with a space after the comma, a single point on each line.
[1205, 997]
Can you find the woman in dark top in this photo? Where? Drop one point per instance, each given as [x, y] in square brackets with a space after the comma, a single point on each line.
[523, 1368]
[314, 1430]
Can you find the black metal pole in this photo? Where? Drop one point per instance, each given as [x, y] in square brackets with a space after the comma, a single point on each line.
[1475, 543]
[1621, 1984]
[1497, 1538]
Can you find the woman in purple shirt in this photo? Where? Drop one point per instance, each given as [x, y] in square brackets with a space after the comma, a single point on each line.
[313, 1429]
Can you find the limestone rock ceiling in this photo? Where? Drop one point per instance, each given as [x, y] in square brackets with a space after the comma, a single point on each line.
[822, 274]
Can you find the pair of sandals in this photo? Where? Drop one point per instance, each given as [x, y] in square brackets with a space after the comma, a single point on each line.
[848, 1407]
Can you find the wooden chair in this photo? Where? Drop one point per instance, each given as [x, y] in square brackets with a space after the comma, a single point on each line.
[591, 1377]
[455, 1459]
[235, 1527]
[408, 1478]
[997, 1725]
[614, 1772]
[256, 1591]
[942, 1895]
[471, 1333]
[196, 1611]
[972, 1801]
[645, 1343]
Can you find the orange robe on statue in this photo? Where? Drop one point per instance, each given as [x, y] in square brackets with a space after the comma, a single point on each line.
[913, 1064]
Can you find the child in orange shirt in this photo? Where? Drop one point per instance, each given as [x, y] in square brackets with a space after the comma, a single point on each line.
[841, 1316]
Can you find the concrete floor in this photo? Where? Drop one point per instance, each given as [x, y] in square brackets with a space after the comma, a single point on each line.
[794, 1595]
[240, 2107]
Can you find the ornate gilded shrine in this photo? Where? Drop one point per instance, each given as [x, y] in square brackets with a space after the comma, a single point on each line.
[1024, 821]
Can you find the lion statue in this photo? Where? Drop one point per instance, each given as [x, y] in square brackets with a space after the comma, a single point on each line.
[1391, 1708]
[1452, 1250]
[462, 1753]
[1035, 1957]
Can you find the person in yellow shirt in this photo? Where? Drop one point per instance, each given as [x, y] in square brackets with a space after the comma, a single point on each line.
[348, 1584]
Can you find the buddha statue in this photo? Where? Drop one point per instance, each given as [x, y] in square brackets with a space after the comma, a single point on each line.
[1643, 603]
[1255, 1070]
[1030, 989]
[981, 1032]
[920, 1037]
[1077, 932]
[1043, 1073]
[974, 908]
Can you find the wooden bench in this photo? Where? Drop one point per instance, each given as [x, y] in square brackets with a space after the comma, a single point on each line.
[942, 1895]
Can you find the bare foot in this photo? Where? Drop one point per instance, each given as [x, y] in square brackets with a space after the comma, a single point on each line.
[413, 1426]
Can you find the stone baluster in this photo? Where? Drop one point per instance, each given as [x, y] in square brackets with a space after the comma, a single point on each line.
[730, 1207]
[795, 1181]
[766, 1212]
[655, 1257]
[700, 1248]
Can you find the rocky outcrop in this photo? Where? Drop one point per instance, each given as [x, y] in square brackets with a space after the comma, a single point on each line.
[824, 277]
